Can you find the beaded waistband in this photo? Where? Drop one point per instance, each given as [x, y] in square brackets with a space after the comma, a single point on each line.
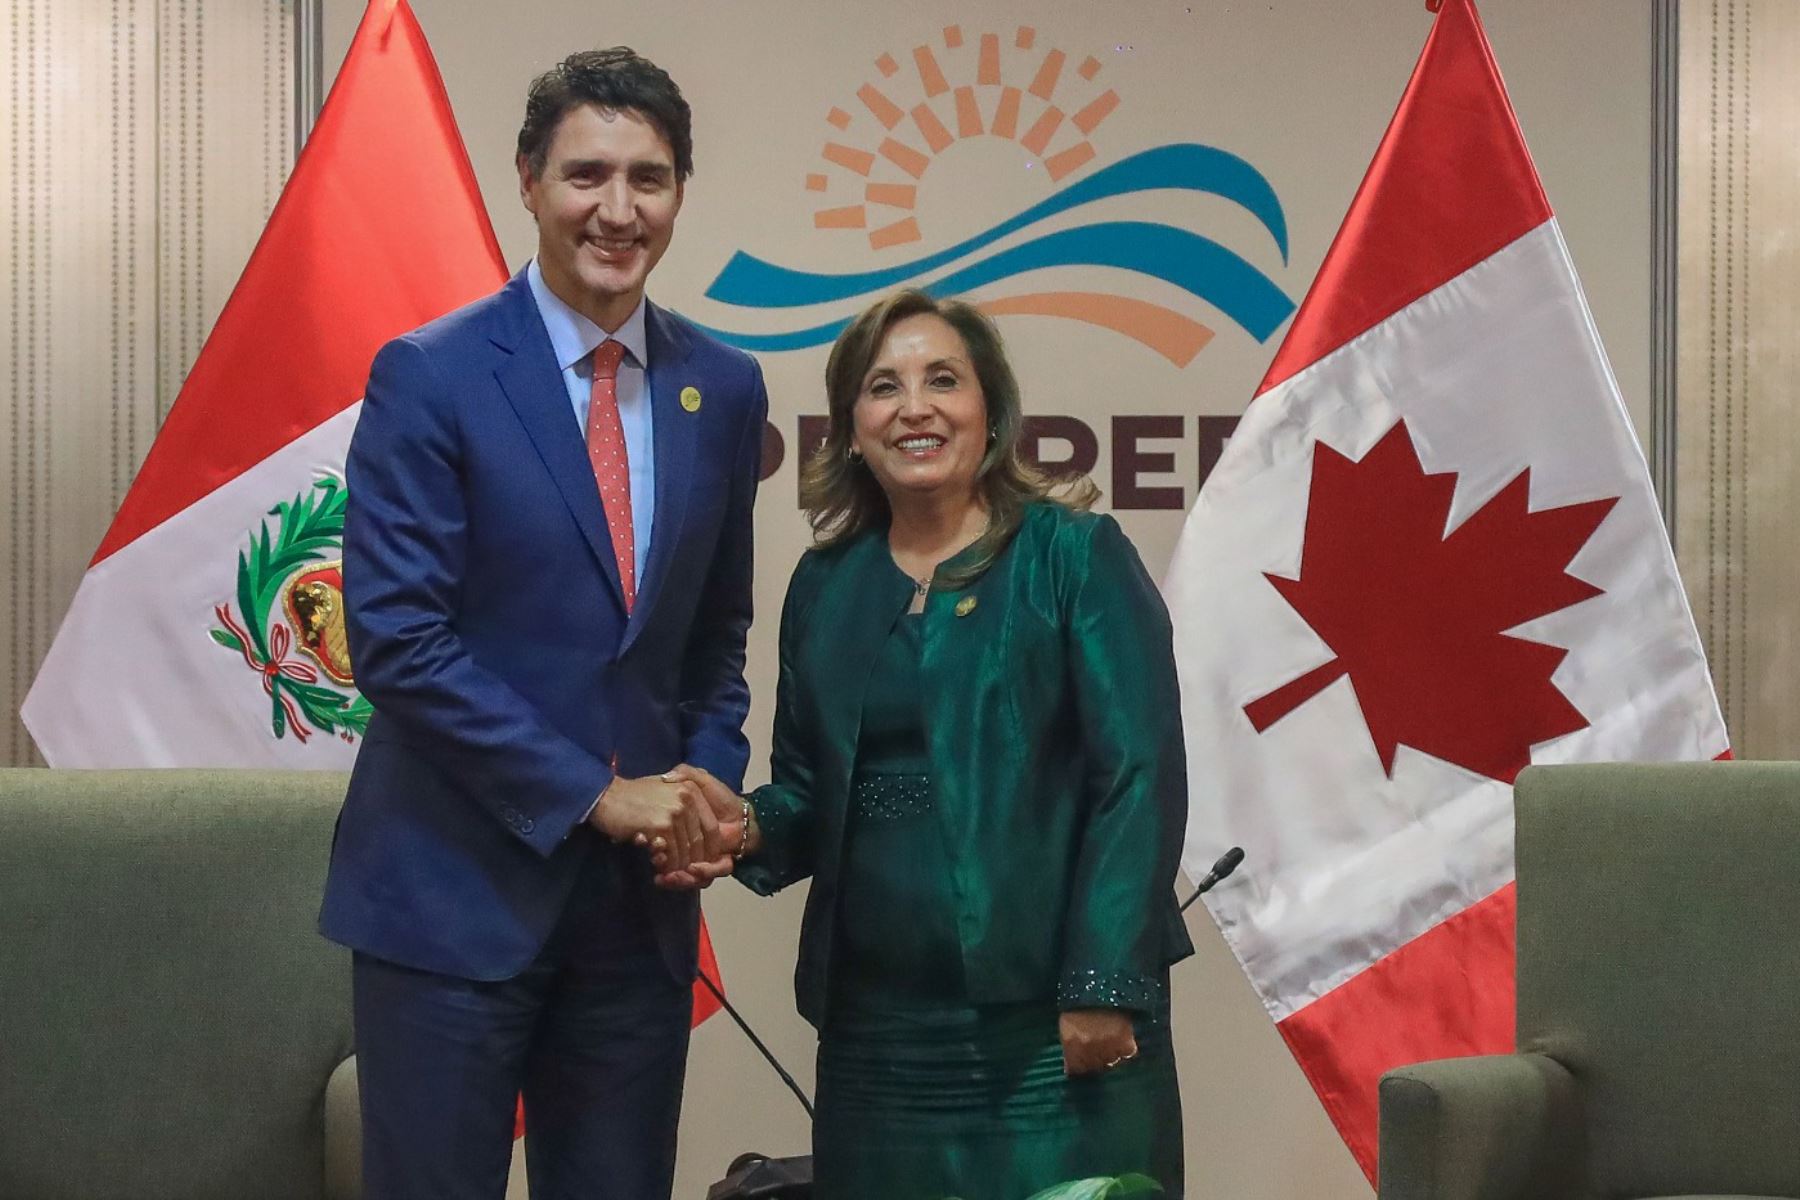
[888, 797]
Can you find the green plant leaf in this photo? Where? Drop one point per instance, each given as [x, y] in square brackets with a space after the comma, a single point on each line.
[1102, 1188]
[227, 639]
[1078, 1189]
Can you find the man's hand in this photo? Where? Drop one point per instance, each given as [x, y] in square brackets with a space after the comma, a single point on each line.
[726, 808]
[669, 815]
[1096, 1039]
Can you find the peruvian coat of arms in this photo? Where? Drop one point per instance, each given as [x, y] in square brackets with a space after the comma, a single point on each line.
[289, 623]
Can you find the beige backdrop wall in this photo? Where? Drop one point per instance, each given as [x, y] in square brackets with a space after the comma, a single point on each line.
[1301, 90]
[146, 141]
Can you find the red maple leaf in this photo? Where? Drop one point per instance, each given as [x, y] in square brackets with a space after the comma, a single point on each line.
[1417, 619]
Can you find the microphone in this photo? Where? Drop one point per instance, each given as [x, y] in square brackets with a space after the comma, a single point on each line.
[1228, 862]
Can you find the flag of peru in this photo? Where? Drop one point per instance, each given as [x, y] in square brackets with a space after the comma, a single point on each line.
[1429, 556]
[208, 630]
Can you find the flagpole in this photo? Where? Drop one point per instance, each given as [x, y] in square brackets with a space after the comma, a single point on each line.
[309, 67]
[1665, 67]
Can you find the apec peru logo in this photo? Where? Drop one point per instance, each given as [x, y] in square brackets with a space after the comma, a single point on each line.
[1027, 106]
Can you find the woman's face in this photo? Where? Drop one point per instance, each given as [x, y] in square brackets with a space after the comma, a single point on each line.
[920, 420]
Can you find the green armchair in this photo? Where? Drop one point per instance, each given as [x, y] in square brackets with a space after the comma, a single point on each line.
[171, 1023]
[1658, 1001]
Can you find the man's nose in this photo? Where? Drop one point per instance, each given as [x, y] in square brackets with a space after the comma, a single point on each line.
[613, 205]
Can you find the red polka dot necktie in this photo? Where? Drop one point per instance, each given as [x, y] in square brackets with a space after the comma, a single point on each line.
[612, 466]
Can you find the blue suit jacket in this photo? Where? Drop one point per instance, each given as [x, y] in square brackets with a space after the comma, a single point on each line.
[488, 629]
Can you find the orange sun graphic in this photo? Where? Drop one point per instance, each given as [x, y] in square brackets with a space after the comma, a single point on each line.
[887, 175]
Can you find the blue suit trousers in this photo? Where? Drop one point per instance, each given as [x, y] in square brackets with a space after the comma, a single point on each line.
[593, 1033]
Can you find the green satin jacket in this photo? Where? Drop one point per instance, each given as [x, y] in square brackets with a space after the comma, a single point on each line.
[1058, 770]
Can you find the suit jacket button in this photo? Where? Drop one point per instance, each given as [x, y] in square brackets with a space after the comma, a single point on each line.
[526, 826]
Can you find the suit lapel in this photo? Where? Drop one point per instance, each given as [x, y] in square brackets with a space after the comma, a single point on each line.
[533, 385]
[674, 434]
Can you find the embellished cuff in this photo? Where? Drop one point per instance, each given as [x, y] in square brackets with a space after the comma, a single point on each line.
[769, 868]
[1111, 989]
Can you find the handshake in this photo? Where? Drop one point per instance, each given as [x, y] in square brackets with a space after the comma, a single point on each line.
[693, 826]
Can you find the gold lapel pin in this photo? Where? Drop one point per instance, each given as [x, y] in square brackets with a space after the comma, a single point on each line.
[965, 606]
[690, 399]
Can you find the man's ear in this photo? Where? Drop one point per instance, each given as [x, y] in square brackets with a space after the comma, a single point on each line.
[525, 184]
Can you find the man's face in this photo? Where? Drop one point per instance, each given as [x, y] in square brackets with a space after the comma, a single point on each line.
[605, 205]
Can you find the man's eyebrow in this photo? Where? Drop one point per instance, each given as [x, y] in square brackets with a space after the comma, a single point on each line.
[642, 166]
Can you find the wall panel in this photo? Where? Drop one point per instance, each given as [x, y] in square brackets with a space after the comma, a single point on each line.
[144, 144]
[1739, 307]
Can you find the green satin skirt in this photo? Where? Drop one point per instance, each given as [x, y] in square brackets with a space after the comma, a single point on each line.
[974, 1104]
[922, 1096]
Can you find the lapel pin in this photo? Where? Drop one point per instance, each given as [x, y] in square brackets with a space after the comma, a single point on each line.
[690, 399]
[965, 606]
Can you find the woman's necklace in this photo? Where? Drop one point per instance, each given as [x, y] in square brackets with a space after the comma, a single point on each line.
[922, 583]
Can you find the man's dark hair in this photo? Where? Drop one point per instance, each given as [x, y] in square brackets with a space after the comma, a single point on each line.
[612, 79]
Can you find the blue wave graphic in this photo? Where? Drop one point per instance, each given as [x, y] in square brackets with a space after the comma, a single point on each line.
[1191, 262]
[753, 283]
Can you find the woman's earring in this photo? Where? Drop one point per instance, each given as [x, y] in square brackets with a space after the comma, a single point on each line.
[852, 455]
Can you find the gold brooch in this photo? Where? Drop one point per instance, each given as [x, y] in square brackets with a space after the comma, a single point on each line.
[690, 399]
[965, 606]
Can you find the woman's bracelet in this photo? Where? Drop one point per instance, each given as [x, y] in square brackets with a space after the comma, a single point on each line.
[744, 834]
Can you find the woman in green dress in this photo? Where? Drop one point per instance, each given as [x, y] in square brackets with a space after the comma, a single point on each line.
[978, 762]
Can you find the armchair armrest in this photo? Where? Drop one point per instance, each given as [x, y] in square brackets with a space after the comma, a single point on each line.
[1503, 1127]
[343, 1134]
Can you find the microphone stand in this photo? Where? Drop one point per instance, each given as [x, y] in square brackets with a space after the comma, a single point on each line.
[768, 1056]
[754, 1176]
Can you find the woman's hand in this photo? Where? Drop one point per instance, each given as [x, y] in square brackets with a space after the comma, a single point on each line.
[727, 810]
[1096, 1040]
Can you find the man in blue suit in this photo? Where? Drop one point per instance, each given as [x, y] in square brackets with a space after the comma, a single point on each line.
[548, 576]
